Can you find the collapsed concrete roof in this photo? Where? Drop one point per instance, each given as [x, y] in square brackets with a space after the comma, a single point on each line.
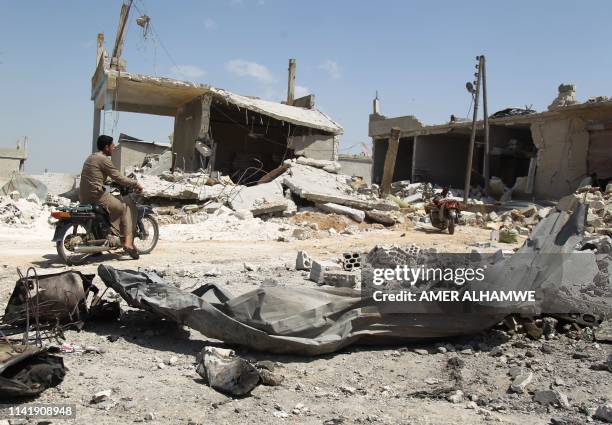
[464, 127]
[123, 91]
[13, 154]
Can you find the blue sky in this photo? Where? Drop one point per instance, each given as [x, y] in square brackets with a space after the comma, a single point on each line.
[418, 55]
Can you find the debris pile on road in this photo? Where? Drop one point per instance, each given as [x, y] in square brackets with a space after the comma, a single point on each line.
[19, 212]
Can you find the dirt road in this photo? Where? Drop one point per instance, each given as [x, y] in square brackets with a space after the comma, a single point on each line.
[150, 367]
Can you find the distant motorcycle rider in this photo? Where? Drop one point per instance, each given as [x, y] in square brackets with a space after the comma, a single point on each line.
[96, 170]
[437, 201]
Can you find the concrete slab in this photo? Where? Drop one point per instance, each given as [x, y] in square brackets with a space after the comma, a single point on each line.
[260, 199]
[353, 213]
[319, 186]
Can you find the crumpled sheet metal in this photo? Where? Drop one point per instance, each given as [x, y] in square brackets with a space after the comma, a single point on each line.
[550, 264]
[61, 297]
[27, 370]
[313, 321]
[305, 321]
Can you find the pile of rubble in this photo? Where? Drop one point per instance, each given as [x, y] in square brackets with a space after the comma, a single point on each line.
[303, 181]
[19, 212]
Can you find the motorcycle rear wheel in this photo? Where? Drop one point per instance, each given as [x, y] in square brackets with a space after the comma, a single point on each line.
[62, 246]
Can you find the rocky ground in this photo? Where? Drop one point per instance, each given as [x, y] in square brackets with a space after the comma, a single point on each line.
[149, 364]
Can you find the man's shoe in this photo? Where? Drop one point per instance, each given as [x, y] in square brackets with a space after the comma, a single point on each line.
[132, 252]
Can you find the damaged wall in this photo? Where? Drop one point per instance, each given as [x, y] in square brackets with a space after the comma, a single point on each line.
[315, 146]
[357, 166]
[129, 154]
[562, 155]
[191, 123]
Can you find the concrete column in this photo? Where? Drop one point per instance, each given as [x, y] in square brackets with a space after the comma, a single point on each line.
[291, 82]
[414, 149]
[390, 158]
[96, 129]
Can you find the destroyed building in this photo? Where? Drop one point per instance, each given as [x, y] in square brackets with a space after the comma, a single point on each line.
[12, 160]
[131, 152]
[215, 129]
[543, 155]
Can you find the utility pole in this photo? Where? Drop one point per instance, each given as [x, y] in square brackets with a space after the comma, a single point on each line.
[485, 166]
[468, 168]
[118, 49]
[291, 82]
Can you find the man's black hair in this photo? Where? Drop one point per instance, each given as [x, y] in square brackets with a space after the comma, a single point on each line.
[103, 141]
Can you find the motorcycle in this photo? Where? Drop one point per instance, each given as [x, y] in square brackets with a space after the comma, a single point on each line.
[85, 230]
[444, 213]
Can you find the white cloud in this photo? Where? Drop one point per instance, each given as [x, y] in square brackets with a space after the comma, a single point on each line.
[253, 70]
[301, 91]
[332, 68]
[188, 71]
[209, 24]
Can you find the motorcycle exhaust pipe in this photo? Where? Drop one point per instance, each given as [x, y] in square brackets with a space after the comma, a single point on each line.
[90, 249]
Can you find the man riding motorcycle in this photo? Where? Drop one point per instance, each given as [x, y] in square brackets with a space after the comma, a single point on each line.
[96, 169]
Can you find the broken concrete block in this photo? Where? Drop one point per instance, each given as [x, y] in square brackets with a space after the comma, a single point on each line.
[329, 166]
[351, 261]
[260, 199]
[353, 213]
[243, 214]
[568, 203]
[456, 397]
[566, 97]
[521, 381]
[300, 234]
[226, 372]
[603, 332]
[523, 231]
[388, 218]
[493, 216]
[604, 412]
[543, 212]
[319, 268]
[594, 220]
[609, 188]
[411, 199]
[318, 186]
[595, 204]
[529, 211]
[303, 261]
[339, 279]
[212, 207]
[101, 396]
[554, 397]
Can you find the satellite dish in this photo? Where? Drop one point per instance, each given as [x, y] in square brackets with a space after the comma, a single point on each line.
[470, 87]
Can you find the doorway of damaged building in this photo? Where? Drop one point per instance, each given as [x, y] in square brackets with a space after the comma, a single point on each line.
[439, 157]
[599, 155]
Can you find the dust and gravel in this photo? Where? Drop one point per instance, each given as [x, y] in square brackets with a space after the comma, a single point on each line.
[357, 385]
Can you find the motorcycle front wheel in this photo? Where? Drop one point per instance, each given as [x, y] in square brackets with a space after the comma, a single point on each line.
[452, 219]
[72, 237]
[147, 235]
